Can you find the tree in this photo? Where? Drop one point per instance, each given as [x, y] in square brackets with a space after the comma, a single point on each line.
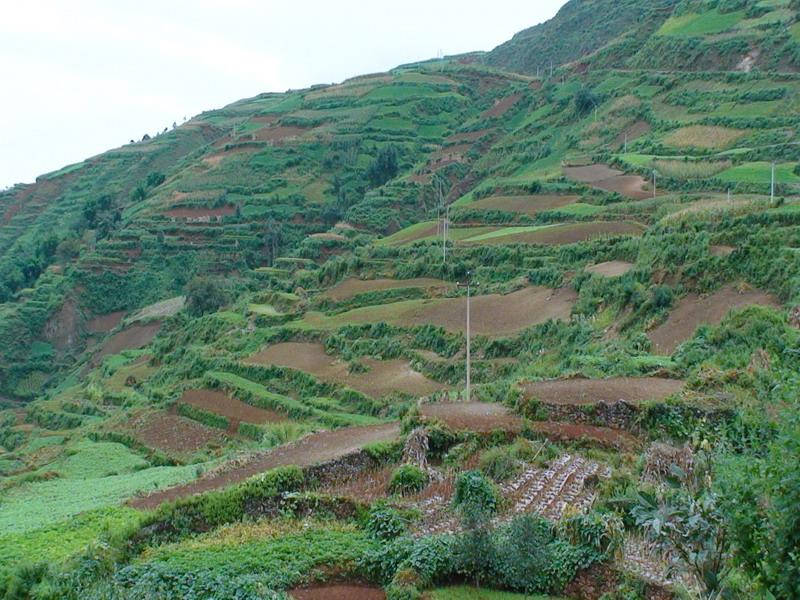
[384, 167]
[585, 100]
[475, 500]
[204, 295]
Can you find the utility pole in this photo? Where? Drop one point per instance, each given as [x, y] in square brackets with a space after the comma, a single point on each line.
[468, 285]
[729, 194]
[654, 183]
[772, 184]
[445, 227]
[626, 142]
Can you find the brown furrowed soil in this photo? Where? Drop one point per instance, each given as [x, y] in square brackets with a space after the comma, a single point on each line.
[589, 391]
[338, 592]
[104, 323]
[131, 338]
[612, 268]
[571, 432]
[312, 449]
[693, 310]
[492, 315]
[496, 315]
[353, 287]
[633, 132]
[383, 376]
[173, 434]
[200, 213]
[234, 410]
[569, 233]
[605, 178]
[526, 205]
[502, 106]
[473, 416]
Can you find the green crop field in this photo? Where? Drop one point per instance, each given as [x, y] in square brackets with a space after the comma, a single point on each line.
[694, 24]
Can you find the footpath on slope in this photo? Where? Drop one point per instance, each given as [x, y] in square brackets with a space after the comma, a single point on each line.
[316, 448]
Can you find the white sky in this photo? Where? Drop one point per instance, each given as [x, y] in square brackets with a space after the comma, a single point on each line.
[82, 76]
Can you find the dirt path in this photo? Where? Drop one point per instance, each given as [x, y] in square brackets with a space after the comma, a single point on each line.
[316, 448]
[694, 310]
[589, 391]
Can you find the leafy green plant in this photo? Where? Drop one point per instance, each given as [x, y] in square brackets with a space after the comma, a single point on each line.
[408, 479]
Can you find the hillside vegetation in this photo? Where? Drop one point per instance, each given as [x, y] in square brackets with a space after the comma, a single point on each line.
[234, 354]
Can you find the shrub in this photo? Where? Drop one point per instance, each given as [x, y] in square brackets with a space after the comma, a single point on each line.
[204, 295]
[408, 479]
[385, 522]
[498, 464]
[474, 490]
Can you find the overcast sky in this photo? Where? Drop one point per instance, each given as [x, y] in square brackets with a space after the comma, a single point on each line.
[83, 76]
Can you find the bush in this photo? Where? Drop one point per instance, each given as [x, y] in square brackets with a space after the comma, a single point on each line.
[498, 464]
[204, 295]
[474, 490]
[408, 479]
[385, 522]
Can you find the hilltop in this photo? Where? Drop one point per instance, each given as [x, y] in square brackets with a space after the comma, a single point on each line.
[233, 355]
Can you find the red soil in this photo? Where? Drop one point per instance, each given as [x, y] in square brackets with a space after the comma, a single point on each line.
[605, 178]
[382, 378]
[173, 434]
[502, 106]
[569, 432]
[569, 233]
[694, 310]
[104, 323]
[279, 133]
[338, 592]
[527, 205]
[474, 416]
[313, 449]
[589, 391]
[353, 287]
[235, 410]
[200, 213]
[634, 132]
[133, 337]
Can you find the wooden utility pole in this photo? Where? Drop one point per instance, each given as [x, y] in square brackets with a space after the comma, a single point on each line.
[468, 284]
[772, 184]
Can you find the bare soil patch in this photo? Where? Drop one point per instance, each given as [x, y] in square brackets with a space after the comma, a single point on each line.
[313, 449]
[579, 391]
[235, 410]
[722, 251]
[199, 213]
[338, 592]
[173, 434]
[353, 287]
[694, 310]
[605, 178]
[474, 416]
[467, 136]
[633, 132]
[383, 376]
[131, 338]
[279, 133]
[570, 233]
[527, 205]
[612, 268]
[496, 315]
[502, 106]
[571, 432]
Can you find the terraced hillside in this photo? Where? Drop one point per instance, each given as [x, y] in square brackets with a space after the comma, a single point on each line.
[234, 356]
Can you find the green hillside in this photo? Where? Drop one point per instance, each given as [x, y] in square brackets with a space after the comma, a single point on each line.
[233, 356]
